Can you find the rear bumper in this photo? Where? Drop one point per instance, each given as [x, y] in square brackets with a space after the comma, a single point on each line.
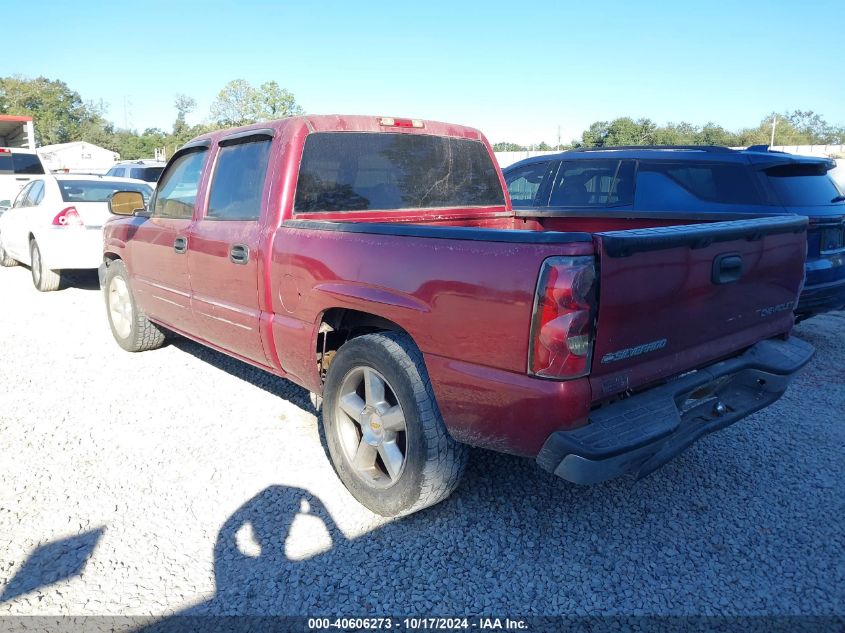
[821, 298]
[643, 432]
[71, 247]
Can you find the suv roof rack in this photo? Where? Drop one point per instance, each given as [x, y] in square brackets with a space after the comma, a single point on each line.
[700, 148]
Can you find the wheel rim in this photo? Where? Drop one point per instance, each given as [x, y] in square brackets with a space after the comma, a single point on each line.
[371, 427]
[36, 264]
[120, 307]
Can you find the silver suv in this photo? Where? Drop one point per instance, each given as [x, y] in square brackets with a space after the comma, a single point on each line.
[147, 170]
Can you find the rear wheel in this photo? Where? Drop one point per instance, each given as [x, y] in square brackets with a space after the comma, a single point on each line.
[130, 327]
[386, 438]
[43, 278]
[5, 259]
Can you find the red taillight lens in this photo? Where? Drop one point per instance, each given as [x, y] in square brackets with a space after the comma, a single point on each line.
[564, 315]
[67, 217]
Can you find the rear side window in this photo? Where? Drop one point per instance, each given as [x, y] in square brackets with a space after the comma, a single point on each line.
[238, 181]
[176, 195]
[352, 171]
[36, 194]
[807, 185]
[593, 183]
[20, 164]
[96, 190]
[523, 183]
[677, 185]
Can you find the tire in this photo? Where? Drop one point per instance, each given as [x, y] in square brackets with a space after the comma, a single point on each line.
[43, 278]
[6, 260]
[432, 462]
[130, 327]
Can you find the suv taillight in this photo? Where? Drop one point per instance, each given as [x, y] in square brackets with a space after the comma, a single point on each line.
[563, 322]
[67, 217]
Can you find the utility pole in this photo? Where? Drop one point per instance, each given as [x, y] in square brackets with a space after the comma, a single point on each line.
[774, 125]
[558, 138]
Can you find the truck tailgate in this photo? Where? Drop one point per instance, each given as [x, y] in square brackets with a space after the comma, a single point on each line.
[672, 299]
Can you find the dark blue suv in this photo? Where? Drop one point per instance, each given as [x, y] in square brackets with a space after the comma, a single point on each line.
[695, 184]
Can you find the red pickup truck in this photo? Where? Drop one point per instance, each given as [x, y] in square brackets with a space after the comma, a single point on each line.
[378, 263]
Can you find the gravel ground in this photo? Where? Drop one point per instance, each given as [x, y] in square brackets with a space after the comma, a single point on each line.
[180, 481]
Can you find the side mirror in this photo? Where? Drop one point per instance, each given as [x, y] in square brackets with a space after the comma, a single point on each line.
[127, 203]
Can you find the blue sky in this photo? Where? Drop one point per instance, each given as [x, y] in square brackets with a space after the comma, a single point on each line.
[515, 70]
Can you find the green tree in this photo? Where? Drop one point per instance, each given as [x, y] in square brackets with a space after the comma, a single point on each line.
[508, 147]
[239, 103]
[59, 113]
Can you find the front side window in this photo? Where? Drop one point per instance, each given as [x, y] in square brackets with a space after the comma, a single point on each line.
[366, 171]
[98, 190]
[593, 183]
[804, 185]
[677, 185]
[523, 183]
[238, 180]
[177, 192]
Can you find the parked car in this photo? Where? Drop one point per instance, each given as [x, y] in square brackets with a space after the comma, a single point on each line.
[56, 223]
[681, 185]
[146, 170]
[377, 263]
[17, 167]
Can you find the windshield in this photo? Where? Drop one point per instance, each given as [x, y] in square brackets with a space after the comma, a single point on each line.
[804, 185]
[352, 171]
[20, 164]
[98, 190]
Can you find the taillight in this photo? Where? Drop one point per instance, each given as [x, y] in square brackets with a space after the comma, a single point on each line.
[67, 217]
[564, 318]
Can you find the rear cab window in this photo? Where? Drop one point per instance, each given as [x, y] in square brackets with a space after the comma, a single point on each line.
[17, 163]
[361, 171]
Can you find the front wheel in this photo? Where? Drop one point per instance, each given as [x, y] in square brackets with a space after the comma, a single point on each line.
[130, 327]
[43, 278]
[385, 435]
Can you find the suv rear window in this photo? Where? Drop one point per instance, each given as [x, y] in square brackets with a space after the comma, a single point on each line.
[662, 184]
[807, 185]
[355, 171]
[20, 164]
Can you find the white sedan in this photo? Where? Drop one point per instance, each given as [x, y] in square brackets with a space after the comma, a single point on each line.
[56, 223]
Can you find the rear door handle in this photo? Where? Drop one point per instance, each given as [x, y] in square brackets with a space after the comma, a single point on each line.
[239, 254]
[727, 268]
[180, 244]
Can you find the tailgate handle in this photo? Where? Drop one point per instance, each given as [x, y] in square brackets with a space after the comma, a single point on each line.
[727, 268]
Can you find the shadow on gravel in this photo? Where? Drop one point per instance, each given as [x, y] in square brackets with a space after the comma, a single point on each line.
[279, 387]
[52, 562]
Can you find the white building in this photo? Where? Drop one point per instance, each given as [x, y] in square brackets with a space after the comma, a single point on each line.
[79, 157]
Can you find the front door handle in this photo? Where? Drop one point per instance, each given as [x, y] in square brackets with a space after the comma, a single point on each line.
[239, 254]
[180, 245]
